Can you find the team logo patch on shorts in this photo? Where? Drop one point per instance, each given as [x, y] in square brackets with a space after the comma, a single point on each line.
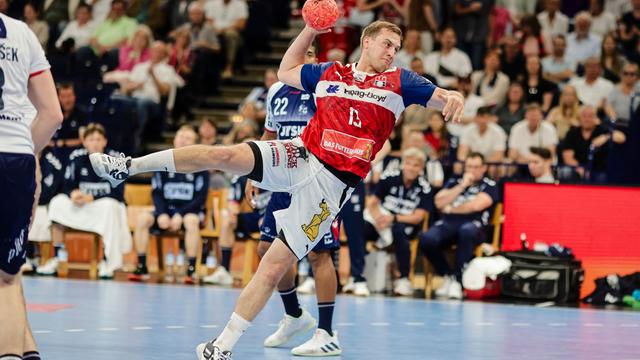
[294, 153]
[347, 145]
[312, 229]
[275, 154]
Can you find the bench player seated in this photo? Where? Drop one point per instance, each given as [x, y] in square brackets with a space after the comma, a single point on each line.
[396, 210]
[238, 220]
[179, 201]
[89, 203]
[51, 177]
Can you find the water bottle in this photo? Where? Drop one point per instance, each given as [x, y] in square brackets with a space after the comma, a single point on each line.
[211, 262]
[63, 262]
[180, 264]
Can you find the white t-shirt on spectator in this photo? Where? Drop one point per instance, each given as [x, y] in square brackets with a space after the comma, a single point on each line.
[100, 11]
[224, 16]
[522, 139]
[403, 59]
[581, 50]
[455, 61]
[163, 72]
[594, 93]
[617, 7]
[559, 26]
[494, 139]
[471, 105]
[603, 24]
[80, 34]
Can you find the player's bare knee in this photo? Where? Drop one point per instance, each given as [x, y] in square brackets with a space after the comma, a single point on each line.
[319, 258]
[191, 222]
[145, 221]
[273, 272]
[263, 246]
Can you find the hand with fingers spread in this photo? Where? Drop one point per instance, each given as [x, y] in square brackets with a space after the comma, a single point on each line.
[454, 106]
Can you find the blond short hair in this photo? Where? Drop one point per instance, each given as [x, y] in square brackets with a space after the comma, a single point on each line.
[414, 153]
[375, 27]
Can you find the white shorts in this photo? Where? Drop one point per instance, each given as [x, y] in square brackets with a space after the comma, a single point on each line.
[316, 194]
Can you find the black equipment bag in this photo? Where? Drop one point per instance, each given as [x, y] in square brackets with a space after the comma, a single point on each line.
[535, 276]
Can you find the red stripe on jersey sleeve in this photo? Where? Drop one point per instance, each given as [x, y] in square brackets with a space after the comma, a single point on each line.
[36, 73]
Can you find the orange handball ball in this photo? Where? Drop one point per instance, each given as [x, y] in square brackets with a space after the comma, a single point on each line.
[320, 14]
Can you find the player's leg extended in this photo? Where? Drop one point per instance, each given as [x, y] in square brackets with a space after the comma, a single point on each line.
[13, 317]
[325, 341]
[29, 349]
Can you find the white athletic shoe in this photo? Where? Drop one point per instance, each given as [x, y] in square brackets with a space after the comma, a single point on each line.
[112, 168]
[105, 271]
[289, 327]
[49, 268]
[403, 287]
[219, 277]
[308, 286]
[209, 351]
[360, 288]
[443, 290]
[321, 344]
[348, 287]
[455, 290]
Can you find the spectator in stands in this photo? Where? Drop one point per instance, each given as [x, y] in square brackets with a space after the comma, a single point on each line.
[90, 203]
[258, 95]
[101, 9]
[518, 8]
[533, 131]
[148, 83]
[491, 84]
[437, 137]
[465, 205]
[531, 40]
[589, 141]
[114, 32]
[602, 21]
[229, 19]
[471, 24]
[552, 21]
[78, 32]
[52, 176]
[582, 43]
[512, 60]
[483, 136]
[630, 31]
[410, 50]
[336, 54]
[150, 13]
[56, 14]
[397, 209]
[618, 7]
[611, 59]
[39, 27]
[422, 18]
[179, 204]
[592, 89]
[536, 88]
[618, 106]
[180, 55]
[178, 13]
[240, 220]
[513, 110]
[136, 50]
[209, 136]
[540, 165]
[448, 63]
[417, 66]
[241, 131]
[558, 67]
[394, 11]
[69, 136]
[565, 115]
[472, 103]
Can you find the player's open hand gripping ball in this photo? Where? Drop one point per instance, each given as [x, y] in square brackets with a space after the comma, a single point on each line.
[320, 14]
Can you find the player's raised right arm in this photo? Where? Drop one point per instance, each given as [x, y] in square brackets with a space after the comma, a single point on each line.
[42, 93]
[293, 59]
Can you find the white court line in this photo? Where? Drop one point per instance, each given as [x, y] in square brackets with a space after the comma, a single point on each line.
[449, 323]
[209, 326]
[175, 327]
[557, 324]
[414, 323]
[141, 328]
[484, 324]
[75, 330]
[42, 332]
[108, 329]
[592, 325]
[273, 325]
[379, 324]
[345, 324]
[629, 325]
[520, 324]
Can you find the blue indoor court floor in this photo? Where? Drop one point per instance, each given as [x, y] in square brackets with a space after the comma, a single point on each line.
[75, 319]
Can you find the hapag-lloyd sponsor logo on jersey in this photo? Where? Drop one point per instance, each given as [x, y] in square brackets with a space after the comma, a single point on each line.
[365, 94]
[347, 145]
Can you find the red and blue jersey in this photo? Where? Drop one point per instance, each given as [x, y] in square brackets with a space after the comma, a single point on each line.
[357, 111]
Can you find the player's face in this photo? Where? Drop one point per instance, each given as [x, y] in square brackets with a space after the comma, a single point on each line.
[381, 50]
[184, 138]
[411, 168]
[310, 56]
[536, 165]
[94, 143]
[475, 167]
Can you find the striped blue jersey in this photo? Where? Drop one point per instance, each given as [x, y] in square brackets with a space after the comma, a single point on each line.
[288, 110]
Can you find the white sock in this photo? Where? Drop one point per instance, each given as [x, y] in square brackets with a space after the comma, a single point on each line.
[158, 161]
[232, 332]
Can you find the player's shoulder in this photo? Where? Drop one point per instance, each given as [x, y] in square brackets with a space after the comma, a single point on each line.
[411, 78]
[78, 154]
[275, 88]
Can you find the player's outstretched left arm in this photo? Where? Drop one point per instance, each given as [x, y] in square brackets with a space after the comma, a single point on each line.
[451, 103]
[43, 96]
